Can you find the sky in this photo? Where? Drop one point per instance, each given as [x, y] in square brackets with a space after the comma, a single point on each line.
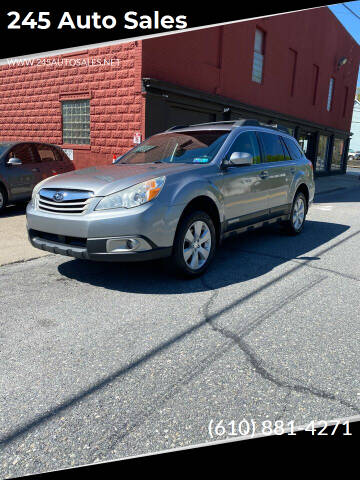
[349, 20]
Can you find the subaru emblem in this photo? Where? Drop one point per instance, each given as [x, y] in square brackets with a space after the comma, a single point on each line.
[58, 197]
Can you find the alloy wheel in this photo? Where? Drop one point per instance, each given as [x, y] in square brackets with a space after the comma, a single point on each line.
[298, 216]
[197, 245]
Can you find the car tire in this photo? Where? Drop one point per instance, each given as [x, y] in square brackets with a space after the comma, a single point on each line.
[296, 222]
[194, 244]
[3, 198]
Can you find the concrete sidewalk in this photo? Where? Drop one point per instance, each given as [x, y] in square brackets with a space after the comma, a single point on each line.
[15, 247]
[14, 244]
[333, 183]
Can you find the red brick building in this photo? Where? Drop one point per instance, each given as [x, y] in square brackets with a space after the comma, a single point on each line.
[298, 70]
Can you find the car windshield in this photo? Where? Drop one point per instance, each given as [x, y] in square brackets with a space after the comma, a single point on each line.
[188, 147]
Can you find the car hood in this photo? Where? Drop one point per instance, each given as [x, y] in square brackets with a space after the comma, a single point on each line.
[113, 178]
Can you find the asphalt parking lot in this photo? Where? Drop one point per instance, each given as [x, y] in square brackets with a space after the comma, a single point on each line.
[103, 361]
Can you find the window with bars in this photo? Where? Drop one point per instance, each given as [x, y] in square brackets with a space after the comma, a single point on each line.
[330, 95]
[258, 62]
[76, 122]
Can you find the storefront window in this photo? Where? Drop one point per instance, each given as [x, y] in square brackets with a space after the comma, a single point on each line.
[337, 154]
[303, 141]
[321, 160]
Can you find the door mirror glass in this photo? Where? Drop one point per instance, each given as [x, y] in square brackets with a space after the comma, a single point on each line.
[240, 159]
[14, 161]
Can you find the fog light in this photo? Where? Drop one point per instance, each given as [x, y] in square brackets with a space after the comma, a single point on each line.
[126, 244]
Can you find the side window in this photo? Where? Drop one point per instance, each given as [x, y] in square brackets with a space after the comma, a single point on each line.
[294, 150]
[286, 151]
[24, 152]
[246, 142]
[46, 153]
[58, 154]
[274, 151]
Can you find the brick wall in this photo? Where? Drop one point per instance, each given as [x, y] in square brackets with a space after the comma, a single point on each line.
[31, 95]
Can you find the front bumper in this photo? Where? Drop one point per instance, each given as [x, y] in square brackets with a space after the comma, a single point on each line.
[87, 236]
[95, 249]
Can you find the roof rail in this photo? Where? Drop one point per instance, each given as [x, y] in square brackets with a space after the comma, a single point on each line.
[237, 123]
[252, 122]
[243, 122]
[177, 127]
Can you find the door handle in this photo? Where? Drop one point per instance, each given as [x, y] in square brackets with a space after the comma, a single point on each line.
[35, 169]
[264, 174]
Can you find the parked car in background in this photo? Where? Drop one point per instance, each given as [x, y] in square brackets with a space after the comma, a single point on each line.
[177, 194]
[353, 155]
[24, 164]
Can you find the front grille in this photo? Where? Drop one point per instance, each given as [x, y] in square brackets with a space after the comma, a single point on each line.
[65, 240]
[72, 202]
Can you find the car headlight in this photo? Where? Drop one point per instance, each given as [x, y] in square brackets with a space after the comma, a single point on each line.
[133, 196]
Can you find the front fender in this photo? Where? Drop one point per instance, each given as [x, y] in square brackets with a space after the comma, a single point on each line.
[302, 177]
[188, 191]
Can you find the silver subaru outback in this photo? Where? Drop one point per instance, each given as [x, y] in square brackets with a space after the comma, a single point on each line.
[177, 194]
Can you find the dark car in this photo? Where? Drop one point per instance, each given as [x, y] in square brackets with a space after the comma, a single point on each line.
[24, 164]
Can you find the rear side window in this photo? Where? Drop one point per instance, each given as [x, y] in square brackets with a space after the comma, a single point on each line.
[273, 149]
[59, 154]
[24, 152]
[46, 153]
[294, 150]
[246, 142]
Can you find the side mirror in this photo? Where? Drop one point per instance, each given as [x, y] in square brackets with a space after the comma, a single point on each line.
[239, 159]
[14, 161]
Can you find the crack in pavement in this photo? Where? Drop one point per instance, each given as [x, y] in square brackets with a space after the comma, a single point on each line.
[208, 319]
[238, 340]
[142, 415]
[270, 373]
[148, 411]
[24, 260]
